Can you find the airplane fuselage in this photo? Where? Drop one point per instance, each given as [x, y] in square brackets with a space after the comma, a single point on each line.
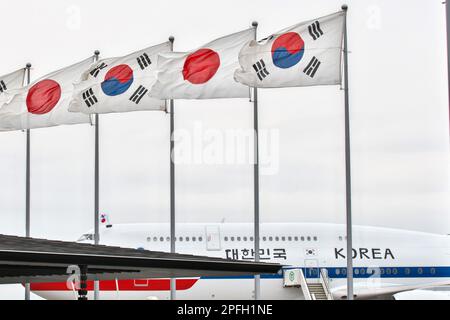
[385, 260]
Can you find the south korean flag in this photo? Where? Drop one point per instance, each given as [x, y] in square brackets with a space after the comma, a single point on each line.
[307, 54]
[119, 84]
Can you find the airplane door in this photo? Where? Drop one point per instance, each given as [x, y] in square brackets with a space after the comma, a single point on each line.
[312, 268]
[213, 238]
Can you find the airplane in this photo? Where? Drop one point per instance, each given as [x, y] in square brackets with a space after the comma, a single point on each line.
[386, 261]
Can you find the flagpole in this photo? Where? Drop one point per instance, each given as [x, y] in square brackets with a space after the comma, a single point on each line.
[96, 189]
[256, 181]
[348, 185]
[447, 10]
[173, 289]
[27, 184]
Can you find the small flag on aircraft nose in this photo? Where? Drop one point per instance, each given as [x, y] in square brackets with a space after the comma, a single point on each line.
[44, 102]
[10, 82]
[205, 73]
[119, 84]
[306, 54]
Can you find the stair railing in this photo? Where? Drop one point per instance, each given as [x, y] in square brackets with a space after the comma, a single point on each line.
[325, 281]
[304, 286]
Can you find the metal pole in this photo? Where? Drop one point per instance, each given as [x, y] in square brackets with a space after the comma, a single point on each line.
[173, 289]
[447, 9]
[27, 184]
[348, 182]
[96, 190]
[256, 181]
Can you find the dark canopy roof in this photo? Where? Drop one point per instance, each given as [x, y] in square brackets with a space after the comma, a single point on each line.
[38, 260]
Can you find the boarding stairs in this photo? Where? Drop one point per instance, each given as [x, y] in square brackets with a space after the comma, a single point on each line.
[315, 288]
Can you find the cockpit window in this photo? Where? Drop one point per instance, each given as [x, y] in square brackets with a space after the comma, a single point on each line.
[86, 237]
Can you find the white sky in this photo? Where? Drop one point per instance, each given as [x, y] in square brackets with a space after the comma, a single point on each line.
[399, 120]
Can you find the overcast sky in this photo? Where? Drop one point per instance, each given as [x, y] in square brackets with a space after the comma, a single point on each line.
[399, 121]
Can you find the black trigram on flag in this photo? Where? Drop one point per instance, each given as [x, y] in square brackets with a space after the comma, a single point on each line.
[89, 98]
[94, 72]
[314, 30]
[260, 68]
[144, 61]
[138, 94]
[2, 86]
[312, 67]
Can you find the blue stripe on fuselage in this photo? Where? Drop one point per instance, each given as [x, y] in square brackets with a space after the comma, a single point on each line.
[361, 273]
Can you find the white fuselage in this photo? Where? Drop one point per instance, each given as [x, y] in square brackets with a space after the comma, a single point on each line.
[386, 261]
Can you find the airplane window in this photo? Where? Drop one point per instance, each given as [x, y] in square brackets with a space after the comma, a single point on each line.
[394, 271]
[251, 238]
[264, 238]
[388, 271]
[155, 239]
[338, 272]
[225, 238]
[356, 271]
[245, 238]
[308, 238]
[363, 271]
[407, 271]
[270, 238]
[277, 239]
[344, 271]
[420, 271]
[283, 238]
[194, 239]
[187, 238]
[149, 239]
[340, 238]
[168, 239]
[433, 271]
[296, 238]
[200, 239]
[238, 239]
[232, 238]
[181, 238]
[289, 238]
[315, 238]
[302, 238]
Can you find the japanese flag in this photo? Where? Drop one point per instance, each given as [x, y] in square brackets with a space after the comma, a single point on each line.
[307, 54]
[205, 73]
[44, 102]
[120, 84]
[10, 81]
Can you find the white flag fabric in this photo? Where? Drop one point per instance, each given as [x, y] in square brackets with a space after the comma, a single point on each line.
[206, 73]
[10, 81]
[45, 102]
[120, 84]
[307, 54]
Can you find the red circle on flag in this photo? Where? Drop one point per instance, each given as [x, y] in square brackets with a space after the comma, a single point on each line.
[201, 66]
[43, 96]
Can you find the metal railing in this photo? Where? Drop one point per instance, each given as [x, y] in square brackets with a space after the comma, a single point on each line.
[325, 281]
[304, 286]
